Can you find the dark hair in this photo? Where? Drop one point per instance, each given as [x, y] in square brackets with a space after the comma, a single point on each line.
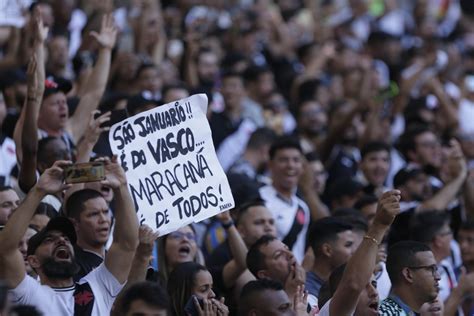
[353, 217]
[242, 210]
[228, 73]
[46, 209]
[365, 200]
[374, 146]
[180, 284]
[284, 142]
[255, 258]
[143, 67]
[426, 225]
[42, 143]
[325, 230]
[176, 85]
[406, 141]
[253, 73]
[150, 292]
[249, 298]
[402, 255]
[75, 202]
[262, 136]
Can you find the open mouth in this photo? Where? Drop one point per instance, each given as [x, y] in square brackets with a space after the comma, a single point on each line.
[105, 190]
[184, 250]
[62, 253]
[374, 307]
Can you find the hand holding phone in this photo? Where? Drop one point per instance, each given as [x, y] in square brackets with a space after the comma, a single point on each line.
[85, 172]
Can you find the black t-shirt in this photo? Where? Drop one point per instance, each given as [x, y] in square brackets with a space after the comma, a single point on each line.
[86, 260]
[221, 127]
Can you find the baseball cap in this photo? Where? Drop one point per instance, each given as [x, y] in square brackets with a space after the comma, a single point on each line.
[56, 84]
[61, 223]
[404, 175]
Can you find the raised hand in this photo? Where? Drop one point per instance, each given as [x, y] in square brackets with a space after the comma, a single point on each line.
[296, 278]
[40, 31]
[388, 207]
[91, 135]
[32, 80]
[146, 238]
[108, 32]
[114, 173]
[52, 180]
[224, 217]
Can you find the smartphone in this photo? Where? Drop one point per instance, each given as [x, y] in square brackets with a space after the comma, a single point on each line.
[85, 172]
[190, 307]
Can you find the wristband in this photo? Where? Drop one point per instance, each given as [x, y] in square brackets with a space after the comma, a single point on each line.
[372, 239]
[228, 224]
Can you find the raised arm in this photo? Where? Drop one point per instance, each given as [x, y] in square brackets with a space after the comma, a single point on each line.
[361, 265]
[13, 266]
[446, 194]
[118, 259]
[29, 135]
[234, 268]
[143, 255]
[98, 79]
[26, 129]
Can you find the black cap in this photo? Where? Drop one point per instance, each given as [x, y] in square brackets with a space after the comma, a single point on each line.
[405, 174]
[56, 84]
[62, 224]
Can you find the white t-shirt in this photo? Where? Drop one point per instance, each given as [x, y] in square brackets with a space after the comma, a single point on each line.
[60, 301]
[285, 213]
[7, 158]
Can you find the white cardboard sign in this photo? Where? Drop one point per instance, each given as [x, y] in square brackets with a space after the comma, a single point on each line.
[173, 173]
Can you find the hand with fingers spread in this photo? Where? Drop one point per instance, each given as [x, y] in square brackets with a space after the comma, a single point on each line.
[52, 180]
[91, 135]
[108, 32]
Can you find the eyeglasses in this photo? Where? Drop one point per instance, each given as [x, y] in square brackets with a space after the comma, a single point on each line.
[179, 235]
[432, 268]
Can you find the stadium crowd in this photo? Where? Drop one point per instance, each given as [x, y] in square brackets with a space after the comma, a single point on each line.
[345, 128]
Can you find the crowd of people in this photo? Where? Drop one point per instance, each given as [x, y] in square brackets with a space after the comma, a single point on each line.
[345, 128]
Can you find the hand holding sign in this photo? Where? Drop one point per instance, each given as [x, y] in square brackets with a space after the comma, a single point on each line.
[171, 166]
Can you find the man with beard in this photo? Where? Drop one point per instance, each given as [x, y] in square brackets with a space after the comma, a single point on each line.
[353, 286]
[312, 124]
[51, 253]
[92, 219]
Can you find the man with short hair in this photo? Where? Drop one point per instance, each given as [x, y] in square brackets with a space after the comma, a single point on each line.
[466, 243]
[90, 214]
[353, 286]
[269, 258]
[374, 167]
[51, 254]
[332, 242]
[291, 213]
[143, 298]
[9, 201]
[264, 297]
[413, 272]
